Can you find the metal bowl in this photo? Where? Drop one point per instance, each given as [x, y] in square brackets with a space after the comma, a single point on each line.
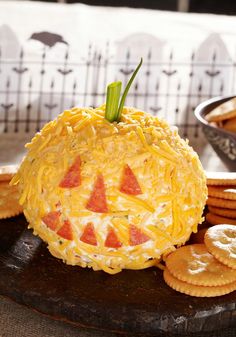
[222, 141]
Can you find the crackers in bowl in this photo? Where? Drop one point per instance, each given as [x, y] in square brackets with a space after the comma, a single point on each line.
[224, 115]
[9, 195]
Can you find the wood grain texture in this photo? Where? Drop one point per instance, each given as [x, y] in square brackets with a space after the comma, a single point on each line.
[131, 301]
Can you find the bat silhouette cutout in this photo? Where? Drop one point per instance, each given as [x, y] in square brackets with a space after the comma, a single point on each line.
[48, 39]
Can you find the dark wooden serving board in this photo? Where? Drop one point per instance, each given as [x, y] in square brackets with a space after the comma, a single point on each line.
[131, 301]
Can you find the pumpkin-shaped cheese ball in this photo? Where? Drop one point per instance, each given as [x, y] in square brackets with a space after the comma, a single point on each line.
[111, 195]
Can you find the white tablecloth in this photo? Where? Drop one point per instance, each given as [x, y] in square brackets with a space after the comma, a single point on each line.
[55, 56]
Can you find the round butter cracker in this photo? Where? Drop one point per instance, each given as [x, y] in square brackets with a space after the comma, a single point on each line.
[224, 192]
[7, 172]
[9, 201]
[219, 202]
[230, 125]
[195, 290]
[221, 178]
[215, 219]
[223, 111]
[195, 265]
[220, 240]
[227, 213]
[9, 213]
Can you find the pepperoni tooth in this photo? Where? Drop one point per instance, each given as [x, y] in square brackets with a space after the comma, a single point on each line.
[112, 240]
[66, 231]
[72, 177]
[129, 182]
[97, 201]
[88, 235]
[52, 220]
[137, 237]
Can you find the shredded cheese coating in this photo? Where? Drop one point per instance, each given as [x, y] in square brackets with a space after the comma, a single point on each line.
[168, 171]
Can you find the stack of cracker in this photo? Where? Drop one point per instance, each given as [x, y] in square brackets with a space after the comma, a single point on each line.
[224, 115]
[205, 270]
[221, 198]
[9, 195]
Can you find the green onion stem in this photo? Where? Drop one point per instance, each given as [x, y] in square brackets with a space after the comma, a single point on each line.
[123, 98]
[112, 101]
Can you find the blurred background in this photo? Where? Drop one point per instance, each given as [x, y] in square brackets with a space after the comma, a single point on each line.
[58, 54]
[197, 6]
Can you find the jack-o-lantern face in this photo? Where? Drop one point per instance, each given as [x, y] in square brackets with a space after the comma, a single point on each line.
[97, 202]
[110, 195]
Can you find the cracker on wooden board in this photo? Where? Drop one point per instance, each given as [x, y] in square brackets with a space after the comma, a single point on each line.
[223, 111]
[195, 290]
[221, 178]
[215, 219]
[223, 192]
[220, 241]
[7, 172]
[10, 213]
[225, 212]
[222, 203]
[9, 201]
[195, 265]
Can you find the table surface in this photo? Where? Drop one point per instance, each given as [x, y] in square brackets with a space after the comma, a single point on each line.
[19, 321]
[16, 320]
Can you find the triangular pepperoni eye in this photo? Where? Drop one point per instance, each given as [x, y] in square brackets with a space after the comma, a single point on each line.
[137, 237]
[129, 182]
[112, 240]
[66, 231]
[52, 220]
[72, 177]
[97, 201]
[88, 235]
